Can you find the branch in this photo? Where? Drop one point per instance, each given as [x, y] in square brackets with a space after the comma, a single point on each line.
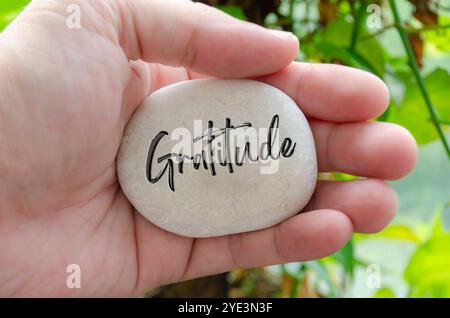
[415, 69]
[444, 122]
[407, 30]
[357, 25]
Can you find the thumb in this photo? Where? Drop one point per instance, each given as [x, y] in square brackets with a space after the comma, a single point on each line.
[201, 38]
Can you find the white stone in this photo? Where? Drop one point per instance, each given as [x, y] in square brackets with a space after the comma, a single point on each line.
[203, 204]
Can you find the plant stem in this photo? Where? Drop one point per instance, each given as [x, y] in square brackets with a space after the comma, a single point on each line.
[357, 25]
[428, 28]
[444, 122]
[291, 9]
[407, 30]
[415, 69]
[290, 20]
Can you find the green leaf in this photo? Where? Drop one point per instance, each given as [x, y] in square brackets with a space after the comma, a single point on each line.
[368, 54]
[438, 41]
[333, 52]
[428, 271]
[234, 11]
[413, 113]
[6, 6]
[399, 232]
[384, 293]
[345, 256]
[9, 10]
[344, 176]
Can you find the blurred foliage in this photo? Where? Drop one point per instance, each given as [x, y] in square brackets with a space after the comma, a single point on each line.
[414, 116]
[407, 44]
[365, 35]
[9, 10]
[428, 271]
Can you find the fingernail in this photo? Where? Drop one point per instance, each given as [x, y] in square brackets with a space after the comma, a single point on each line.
[281, 34]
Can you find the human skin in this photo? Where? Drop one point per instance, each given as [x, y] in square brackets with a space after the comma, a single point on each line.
[66, 96]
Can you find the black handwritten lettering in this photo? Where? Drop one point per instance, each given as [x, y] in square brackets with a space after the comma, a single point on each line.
[206, 157]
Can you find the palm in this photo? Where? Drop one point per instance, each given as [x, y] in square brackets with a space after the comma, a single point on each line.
[82, 216]
[67, 205]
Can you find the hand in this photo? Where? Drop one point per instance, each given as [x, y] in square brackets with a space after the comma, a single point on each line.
[66, 96]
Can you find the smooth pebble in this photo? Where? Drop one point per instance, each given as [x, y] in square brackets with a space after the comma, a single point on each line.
[216, 194]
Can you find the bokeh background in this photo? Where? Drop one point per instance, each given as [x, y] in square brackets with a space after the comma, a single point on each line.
[407, 44]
